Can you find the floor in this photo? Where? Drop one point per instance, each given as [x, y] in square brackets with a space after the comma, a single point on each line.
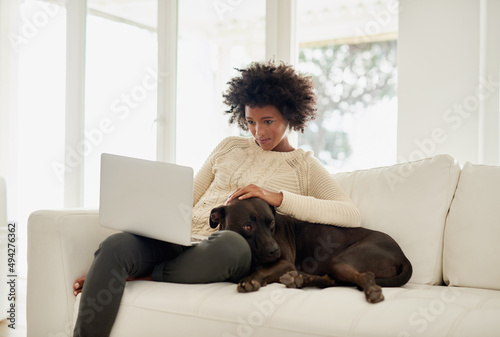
[20, 319]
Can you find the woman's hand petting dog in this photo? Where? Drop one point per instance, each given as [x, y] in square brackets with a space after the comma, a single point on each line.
[253, 191]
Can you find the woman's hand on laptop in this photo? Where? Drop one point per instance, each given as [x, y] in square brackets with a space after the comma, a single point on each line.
[253, 191]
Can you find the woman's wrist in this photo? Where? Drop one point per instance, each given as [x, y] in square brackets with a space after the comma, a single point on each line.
[278, 197]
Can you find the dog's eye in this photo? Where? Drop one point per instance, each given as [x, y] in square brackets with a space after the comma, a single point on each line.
[272, 227]
[248, 228]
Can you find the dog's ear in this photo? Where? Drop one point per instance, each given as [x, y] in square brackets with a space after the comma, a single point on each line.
[273, 209]
[216, 216]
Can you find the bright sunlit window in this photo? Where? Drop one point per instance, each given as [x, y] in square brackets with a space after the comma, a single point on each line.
[213, 40]
[41, 113]
[120, 85]
[352, 58]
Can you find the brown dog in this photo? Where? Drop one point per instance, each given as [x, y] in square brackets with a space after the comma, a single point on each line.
[301, 254]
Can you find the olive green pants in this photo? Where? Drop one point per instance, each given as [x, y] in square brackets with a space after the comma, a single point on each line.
[225, 256]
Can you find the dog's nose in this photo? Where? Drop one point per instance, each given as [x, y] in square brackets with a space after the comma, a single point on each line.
[274, 251]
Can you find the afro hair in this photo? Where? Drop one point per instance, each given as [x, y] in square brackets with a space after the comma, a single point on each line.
[262, 84]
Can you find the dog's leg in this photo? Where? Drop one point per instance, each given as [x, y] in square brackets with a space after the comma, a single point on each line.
[296, 279]
[265, 275]
[342, 271]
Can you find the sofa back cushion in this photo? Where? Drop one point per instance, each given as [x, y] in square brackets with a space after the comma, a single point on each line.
[409, 202]
[472, 235]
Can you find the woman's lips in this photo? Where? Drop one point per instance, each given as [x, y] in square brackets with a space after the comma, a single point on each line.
[263, 141]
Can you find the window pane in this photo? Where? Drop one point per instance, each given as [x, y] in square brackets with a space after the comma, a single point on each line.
[351, 54]
[121, 85]
[41, 118]
[213, 39]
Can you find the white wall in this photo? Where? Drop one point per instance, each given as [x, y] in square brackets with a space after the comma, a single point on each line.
[449, 64]
[8, 98]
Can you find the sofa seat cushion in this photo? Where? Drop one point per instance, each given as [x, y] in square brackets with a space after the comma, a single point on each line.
[409, 202]
[472, 236]
[167, 309]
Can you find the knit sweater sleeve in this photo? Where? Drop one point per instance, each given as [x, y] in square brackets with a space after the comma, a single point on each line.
[325, 201]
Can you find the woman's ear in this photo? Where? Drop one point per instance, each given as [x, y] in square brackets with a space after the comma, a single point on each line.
[217, 215]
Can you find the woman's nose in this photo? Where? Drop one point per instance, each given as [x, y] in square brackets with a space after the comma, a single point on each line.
[258, 130]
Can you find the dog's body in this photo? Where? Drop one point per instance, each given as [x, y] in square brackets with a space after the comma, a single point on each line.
[300, 254]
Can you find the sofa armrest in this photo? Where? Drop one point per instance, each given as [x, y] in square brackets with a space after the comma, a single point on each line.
[61, 246]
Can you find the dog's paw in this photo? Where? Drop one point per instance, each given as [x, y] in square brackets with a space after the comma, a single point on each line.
[248, 285]
[374, 294]
[292, 279]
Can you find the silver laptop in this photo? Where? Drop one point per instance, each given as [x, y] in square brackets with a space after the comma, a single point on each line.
[148, 198]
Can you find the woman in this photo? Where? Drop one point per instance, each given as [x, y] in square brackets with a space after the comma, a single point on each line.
[268, 100]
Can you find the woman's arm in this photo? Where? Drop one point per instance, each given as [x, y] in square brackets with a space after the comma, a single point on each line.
[325, 201]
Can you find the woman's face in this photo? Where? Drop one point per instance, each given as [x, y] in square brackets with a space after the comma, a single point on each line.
[268, 127]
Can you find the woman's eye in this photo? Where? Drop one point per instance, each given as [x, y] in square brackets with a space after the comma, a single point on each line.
[250, 122]
[269, 122]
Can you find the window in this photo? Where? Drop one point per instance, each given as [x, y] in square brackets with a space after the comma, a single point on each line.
[352, 59]
[120, 85]
[213, 40]
[39, 177]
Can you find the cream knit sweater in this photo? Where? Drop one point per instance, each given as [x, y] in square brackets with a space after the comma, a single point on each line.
[309, 191]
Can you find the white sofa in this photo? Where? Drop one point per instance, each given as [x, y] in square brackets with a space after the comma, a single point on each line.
[446, 219]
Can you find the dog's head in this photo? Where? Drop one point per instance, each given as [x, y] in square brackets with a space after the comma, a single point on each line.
[254, 219]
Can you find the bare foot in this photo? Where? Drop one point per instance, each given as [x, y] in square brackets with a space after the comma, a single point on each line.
[78, 285]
